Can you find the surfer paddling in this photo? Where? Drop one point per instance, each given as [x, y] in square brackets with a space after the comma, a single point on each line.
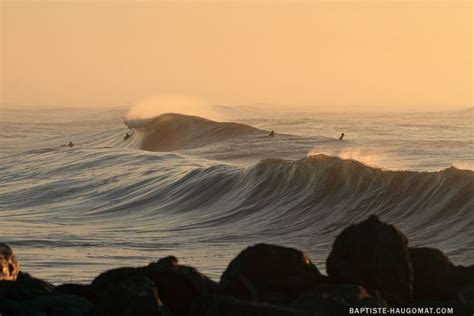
[68, 145]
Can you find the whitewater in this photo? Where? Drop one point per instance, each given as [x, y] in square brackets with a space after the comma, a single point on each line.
[203, 190]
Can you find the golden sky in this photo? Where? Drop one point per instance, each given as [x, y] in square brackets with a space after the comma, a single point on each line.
[384, 54]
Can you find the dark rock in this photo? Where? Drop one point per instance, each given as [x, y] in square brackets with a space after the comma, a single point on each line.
[375, 255]
[82, 290]
[135, 295]
[178, 285]
[10, 307]
[435, 276]
[333, 299]
[457, 307]
[57, 305]
[229, 306]
[466, 301]
[31, 296]
[270, 273]
[8, 264]
[25, 287]
[108, 278]
[466, 295]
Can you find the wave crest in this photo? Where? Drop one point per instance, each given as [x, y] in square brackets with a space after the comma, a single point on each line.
[169, 132]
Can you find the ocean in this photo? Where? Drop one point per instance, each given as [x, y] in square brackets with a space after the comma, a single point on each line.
[203, 191]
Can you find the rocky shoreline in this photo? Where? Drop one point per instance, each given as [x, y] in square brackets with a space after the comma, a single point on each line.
[371, 270]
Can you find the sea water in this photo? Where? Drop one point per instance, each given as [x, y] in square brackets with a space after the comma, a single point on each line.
[203, 191]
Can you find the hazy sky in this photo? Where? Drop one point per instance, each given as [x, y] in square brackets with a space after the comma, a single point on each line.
[374, 53]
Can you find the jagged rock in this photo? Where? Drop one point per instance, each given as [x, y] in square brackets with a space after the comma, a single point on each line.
[332, 299]
[135, 295]
[270, 273]
[375, 255]
[435, 276]
[229, 306]
[178, 285]
[25, 287]
[82, 290]
[8, 263]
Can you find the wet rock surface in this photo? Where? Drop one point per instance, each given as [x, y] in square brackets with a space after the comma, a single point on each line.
[370, 266]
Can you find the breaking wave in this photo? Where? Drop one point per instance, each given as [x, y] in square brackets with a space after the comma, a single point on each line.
[107, 195]
[169, 132]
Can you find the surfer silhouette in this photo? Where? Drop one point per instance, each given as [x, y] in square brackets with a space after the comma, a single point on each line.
[127, 136]
[70, 144]
[272, 134]
[342, 136]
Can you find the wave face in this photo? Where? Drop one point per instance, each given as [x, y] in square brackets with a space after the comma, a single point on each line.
[153, 205]
[170, 132]
[71, 213]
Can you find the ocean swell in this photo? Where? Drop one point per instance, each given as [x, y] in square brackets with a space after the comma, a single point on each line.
[218, 188]
[170, 132]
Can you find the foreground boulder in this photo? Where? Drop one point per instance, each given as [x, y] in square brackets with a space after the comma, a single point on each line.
[8, 263]
[82, 290]
[336, 299]
[466, 298]
[25, 287]
[132, 296]
[111, 277]
[177, 285]
[461, 305]
[436, 277]
[123, 292]
[375, 255]
[31, 296]
[229, 306]
[13, 294]
[466, 295]
[57, 305]
[270, 273]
